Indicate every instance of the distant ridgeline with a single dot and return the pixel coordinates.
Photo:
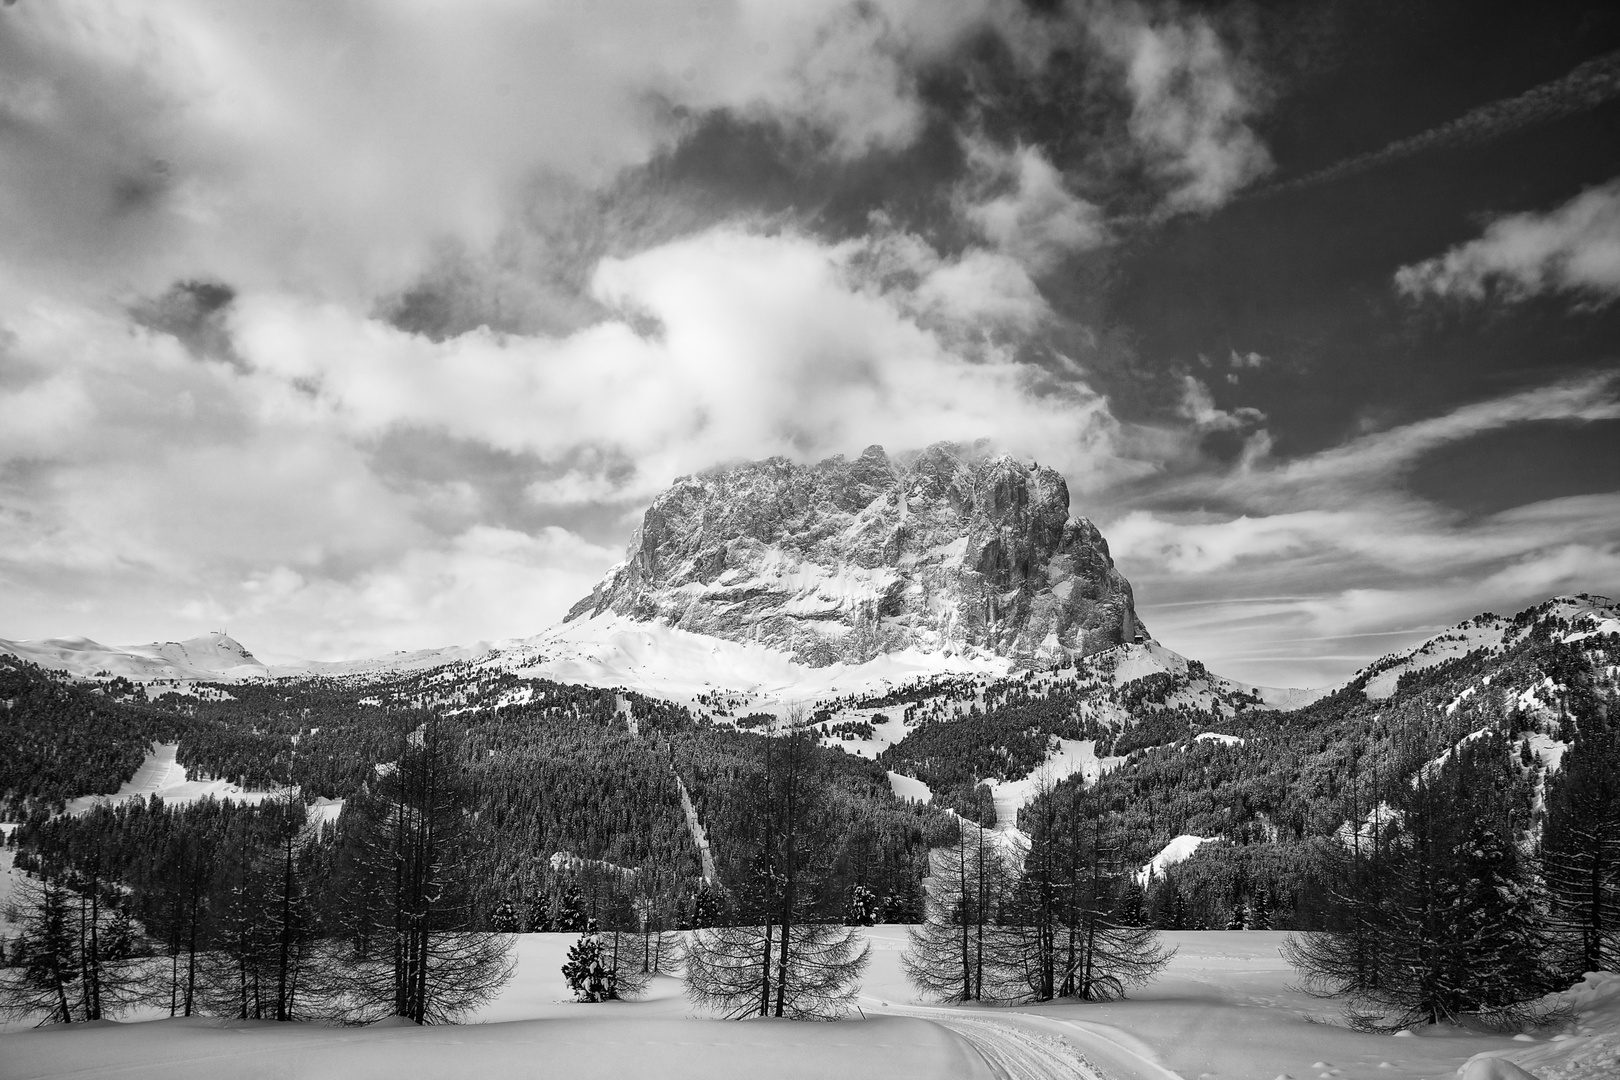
(597, 773)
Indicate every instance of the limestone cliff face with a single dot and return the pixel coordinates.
(945, 550)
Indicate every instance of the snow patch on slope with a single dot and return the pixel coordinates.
(1178, 850)
(161, 775)
(910, 789)
(1064, 759)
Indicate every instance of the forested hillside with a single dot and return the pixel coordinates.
(574, 792)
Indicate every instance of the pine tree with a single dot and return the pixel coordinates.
(1580, 848)
(707, 908)
(862, 908)
(1446, 926)
(571, 916)
(1066, 917)
(589, 976)
(504, 920)
(956, 952)
(44, 979)
(413, 951)
(785, 955)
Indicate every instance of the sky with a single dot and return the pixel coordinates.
(359, 325)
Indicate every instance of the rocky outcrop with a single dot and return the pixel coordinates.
(944, 550)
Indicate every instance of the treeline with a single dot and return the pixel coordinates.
(1062, 920)
(63, 740)
(1279, 802)
(1442, 910)
(254, 911)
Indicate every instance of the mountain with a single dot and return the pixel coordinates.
(1586, 615)
(948, 551)
(209, 657)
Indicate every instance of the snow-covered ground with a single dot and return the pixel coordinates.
(1588, 614)
(1177, 850)
(210, 657)
(160, 774)
(672, 663)
(1223, 1009)
(1065, 758)
(909, 788)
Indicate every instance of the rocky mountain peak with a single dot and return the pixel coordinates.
(943, 550)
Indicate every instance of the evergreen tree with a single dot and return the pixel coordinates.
(570, 916)
(1444, 918)
(786, 955)
(416, 955)
(1068, 934)
(1580, 847)
(589, 975)
(43, 980)
(505, 919)
(959, 941)
(863, 907)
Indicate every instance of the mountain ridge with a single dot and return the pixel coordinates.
(946, 550)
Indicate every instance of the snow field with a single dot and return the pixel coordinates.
(161, 775)
(881, 1048)
(1225, 1008)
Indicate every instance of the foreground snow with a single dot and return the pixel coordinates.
(1224, 1009)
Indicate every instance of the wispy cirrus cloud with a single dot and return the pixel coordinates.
(1358, 555)
(1588, 85)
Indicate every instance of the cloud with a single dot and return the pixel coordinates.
(483, 584)
(143, 483)
(1573, 249)
(330, 147)
(1191, 100)
(1033, 217)
(1587, 86)
(760, 344)
(1353, 554)
(1198, 406)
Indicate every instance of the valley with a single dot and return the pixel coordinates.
(622, 774)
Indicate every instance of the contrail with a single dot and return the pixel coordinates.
(1590, 84)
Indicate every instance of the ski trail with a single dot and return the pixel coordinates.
(1021, 1055)
(1023, 1046)
(699, 837)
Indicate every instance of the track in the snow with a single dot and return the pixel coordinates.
(1014, 1053)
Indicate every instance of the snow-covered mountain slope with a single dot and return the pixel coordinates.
(211, 657)
(392, 663)
(666, 661)
(1584, 613)
(946, 551)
